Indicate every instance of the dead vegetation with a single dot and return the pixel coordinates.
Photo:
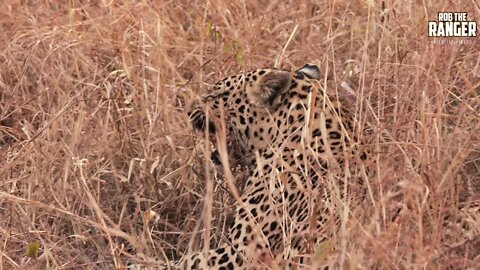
(93, 131)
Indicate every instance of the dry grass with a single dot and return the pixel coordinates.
(93, 131)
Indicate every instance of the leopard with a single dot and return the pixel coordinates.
(305, 166)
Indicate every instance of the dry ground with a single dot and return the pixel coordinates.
(93, 131)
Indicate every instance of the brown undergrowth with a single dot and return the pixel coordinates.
(93, 132)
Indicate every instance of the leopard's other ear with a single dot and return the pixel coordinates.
(310, 71)
(269, 88)
(198, 118)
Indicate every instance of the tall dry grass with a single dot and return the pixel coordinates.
(94, 133)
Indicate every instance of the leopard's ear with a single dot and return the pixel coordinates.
(270, 86)
(309, 71)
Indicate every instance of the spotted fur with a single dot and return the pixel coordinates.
(303, 157)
